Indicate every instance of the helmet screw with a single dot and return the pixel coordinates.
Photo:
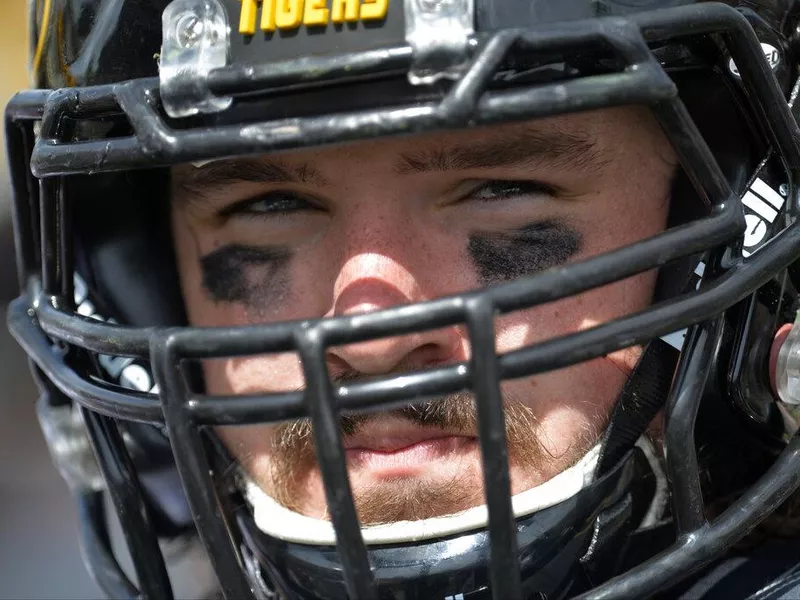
(189, 30)
(783, 190)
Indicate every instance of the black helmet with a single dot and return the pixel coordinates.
(129, 88)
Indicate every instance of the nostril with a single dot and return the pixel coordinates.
(433, 355)
(338, 368)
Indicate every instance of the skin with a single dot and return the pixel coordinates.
(370, 225)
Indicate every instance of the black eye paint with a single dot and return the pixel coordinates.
(508, 255)
(252, 275)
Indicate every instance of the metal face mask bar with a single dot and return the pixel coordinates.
(48, 308)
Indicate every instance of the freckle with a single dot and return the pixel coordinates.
(533, 383)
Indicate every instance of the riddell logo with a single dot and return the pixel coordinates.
(762, 205)
(771, 54)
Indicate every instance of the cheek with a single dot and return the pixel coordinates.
(574, 401)
(253, 374)
(186, 251)
(570, 404)
(574, 314)
(251, 446)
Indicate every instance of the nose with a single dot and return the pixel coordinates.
(378, 284)
(396, 354)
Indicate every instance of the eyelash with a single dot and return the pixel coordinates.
(506, 190)
(284, 203)
(276, 203)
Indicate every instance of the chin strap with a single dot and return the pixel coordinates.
(640, 400)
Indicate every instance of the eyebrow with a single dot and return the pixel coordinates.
(528, 148)
(217, 174)
(531, 148)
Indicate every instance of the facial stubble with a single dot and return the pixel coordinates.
(497, 257)
(293, 461)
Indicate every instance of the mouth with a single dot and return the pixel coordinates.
(391, 448)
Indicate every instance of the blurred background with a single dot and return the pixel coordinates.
(39, 555)
(39, 552)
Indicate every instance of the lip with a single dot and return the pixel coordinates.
(410, 460)
(388, 435)
(393, 448)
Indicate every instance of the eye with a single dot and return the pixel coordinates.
(492, 191)
(270, 204)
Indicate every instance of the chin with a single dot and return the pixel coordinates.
(389, 494)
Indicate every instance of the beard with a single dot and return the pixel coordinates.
(294, 468)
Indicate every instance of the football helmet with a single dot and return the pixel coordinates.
(122, 90)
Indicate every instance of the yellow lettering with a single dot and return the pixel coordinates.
(316, 13)
(247, 18)
(374, 10)
(344, 10)
(268, 16)
(289, 14)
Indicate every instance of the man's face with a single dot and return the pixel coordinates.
(362, 227)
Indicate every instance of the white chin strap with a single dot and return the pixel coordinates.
(280, 522)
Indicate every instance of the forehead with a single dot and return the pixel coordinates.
(580, 139)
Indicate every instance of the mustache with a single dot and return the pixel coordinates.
(294, 456)
(455, 413)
